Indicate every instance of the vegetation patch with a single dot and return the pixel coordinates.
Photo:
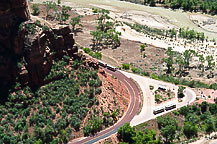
(181, 126)
(55, 111)
(161, 95)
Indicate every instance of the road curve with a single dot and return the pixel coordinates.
(146, 113)
(190, 96)
(127, 117)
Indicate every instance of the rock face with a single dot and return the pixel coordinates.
(12, 13)
(27, 49)
(39, 46)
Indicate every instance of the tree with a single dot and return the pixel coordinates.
(75, 21)
(49, 5)
(209, 125)
(145, 137)
(39, 133)
(201, 65)
(64, 136)
(35, 9)
(103, 24)
(105, 34)
(142, 48)
(169, 60)
(168, 132)
(190, 129)
(152, 3)
(181, 92)
(126, 66)
(97, 39)
(193, 117)
(173, 33)
(213, 108)
(59, 2)
(49, 131)
(210, 62)
(111, 38)
(188, 54)
(135, 70)
(180, 61)
(126, 133)
(63, 15)
(184, 110)
(163, 121)
(204, 107)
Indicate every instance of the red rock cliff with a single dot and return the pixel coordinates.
(27, 48)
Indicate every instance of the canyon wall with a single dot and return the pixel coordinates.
(27, 48)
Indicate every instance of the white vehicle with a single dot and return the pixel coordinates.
(101, 63)
(170, 106)
(111, 68)
(158, 110)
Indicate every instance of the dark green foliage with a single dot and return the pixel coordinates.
(59, 2)
(206, 6)
(126, 66)
(53, 109)
(97, 55)
(168, 127)
(50, 5)
(145, 137)
(105, 34)
(196, 118)
(35, 9)
(146, 30)
(75, 21)
(190, 129)
(94, 125)
(142, 48)
(31, 28)
(163, 121)
(181, 91)
(135, 70)
(128, 134)
(204, 107)
(191, 34)
(63, 14)
(183, 32)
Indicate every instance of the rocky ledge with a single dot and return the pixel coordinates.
(28, 48)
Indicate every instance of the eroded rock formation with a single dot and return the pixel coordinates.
(28, 48)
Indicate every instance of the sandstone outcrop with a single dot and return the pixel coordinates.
(27, 48)
(42, 45)
(12, 13)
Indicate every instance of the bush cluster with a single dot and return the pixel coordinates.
(51, 113)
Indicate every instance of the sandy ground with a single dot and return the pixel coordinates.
(207, 22)
(153, 17)
(178, 17)
(207, 140)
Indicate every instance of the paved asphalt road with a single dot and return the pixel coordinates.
(128, 116)
(148, 98)
(190, 96)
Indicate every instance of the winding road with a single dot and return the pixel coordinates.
(128, 116)
(149, 98)
(135, 100)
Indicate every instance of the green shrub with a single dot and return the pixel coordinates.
(126, 66)
(87, 50)
(35, 9)
(135, 70)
